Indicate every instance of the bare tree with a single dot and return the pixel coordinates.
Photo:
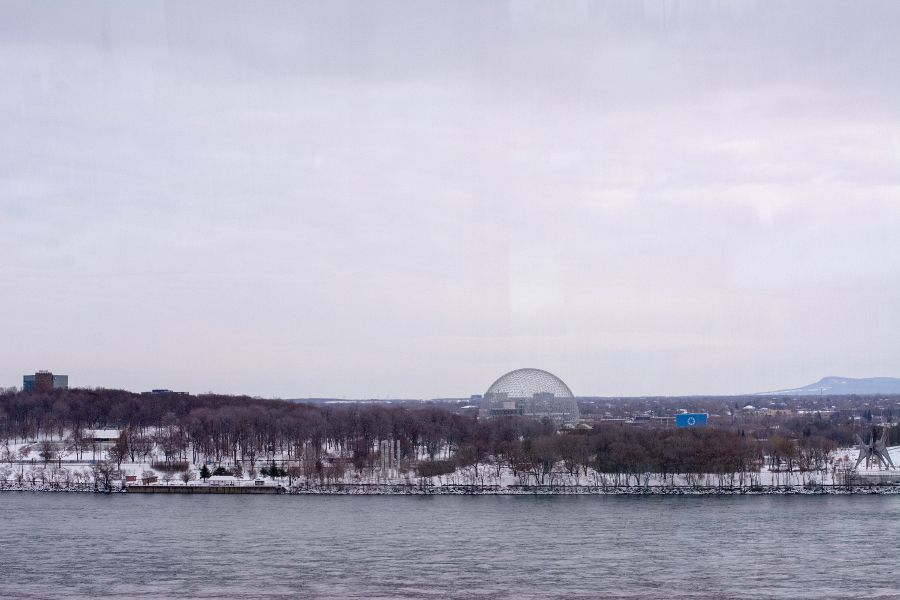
(294, 472)
(140, 446)
(64, 475)
(118, 452)
(47, 451)
(79, 443)
(103, 475)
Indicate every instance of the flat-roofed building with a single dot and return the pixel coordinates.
(44, 381)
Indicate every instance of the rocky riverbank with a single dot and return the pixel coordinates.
(562, 490)
(25, 486)
(387, 489)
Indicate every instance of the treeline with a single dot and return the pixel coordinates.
(866, 407)
(327, 440)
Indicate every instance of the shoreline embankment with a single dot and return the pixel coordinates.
(387, 489)
(584, 490)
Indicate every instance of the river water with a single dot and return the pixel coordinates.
(56, 545)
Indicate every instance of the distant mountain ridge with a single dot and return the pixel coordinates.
(837, 386)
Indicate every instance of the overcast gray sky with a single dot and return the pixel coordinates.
(408, 199)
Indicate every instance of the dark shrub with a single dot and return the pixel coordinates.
(170, 467)
(436, 467)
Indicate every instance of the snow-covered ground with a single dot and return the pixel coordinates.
(848, 456)
(33, 464)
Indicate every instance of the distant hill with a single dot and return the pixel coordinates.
(836, 386)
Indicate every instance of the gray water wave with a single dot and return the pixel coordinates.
(105, 546)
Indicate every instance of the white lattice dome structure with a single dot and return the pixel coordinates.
(523, 383)
(530, 393)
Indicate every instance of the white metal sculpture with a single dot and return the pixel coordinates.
(873, 450)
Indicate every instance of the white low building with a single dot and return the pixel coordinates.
(222, 480)
(102, 436)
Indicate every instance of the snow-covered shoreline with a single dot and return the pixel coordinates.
(535, 490)
(74, 488)
(395, 490)
(69, 471)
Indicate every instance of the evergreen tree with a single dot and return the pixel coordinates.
(204, 473)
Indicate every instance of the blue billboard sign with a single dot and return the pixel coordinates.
(691, 420)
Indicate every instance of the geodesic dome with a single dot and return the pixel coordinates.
(525, 383)
(530, 393)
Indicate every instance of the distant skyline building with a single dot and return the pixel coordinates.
(44, 381)
(530, 393)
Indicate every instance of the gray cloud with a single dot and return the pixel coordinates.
(395, 199)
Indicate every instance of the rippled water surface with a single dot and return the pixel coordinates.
(95, 546)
